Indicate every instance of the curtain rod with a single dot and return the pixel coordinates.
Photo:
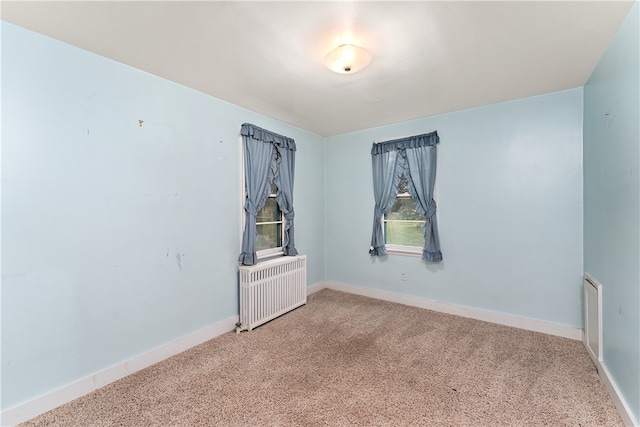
(375, 141)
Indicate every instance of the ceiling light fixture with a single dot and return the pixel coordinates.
(347, 59)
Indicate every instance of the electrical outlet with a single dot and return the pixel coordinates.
(403, 276)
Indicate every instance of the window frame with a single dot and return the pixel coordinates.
(413, 251)
(278, 250)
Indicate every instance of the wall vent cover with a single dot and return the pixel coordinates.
(593, 317)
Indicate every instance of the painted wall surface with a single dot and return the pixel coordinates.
(612, 201)
(116, 237)
(509, 196)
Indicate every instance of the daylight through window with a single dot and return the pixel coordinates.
(403, 226)
(269, 224)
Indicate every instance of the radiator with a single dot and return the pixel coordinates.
(271, 288)
(593, 317)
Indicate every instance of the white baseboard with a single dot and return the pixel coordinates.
(67, 393)
(318, 286)
(614, 392)
(86, 385)
(458, 310)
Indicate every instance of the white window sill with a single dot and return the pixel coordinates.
(268, 254)
(411, 251)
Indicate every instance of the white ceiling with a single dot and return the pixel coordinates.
(428, 57)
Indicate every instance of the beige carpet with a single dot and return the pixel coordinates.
(349, 360)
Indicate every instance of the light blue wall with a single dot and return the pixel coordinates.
(509, 195)
(118, 238)
(612, 201)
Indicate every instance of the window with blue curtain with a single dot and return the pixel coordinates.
(269, 165)
(401, 168)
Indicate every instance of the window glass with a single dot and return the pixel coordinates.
(269, 224)
(270, 212)
(269, 236)
(403, 226)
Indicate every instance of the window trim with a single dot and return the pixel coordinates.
(405, 250)
(413, 251)
(278, 250)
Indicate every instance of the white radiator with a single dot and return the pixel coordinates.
(271, 288)
(593, 317)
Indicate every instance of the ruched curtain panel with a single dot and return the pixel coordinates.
(415, 158)
(268, 158)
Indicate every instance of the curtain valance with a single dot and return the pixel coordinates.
(264, 135)
(415, 141)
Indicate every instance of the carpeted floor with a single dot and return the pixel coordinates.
(349, 360)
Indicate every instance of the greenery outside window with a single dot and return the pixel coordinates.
(269, 226)
(403, 226)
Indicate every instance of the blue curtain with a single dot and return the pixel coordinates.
(415, 158)
(422, 176)
(268, 158)
(386, 177)
(284, 197)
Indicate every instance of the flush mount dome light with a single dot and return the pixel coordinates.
(347, 59)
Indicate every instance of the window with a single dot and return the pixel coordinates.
(269, 226)
(268, 159)
(397, 218)
(403, 226)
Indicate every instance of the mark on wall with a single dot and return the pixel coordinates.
(611, 116)
(179, 260)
